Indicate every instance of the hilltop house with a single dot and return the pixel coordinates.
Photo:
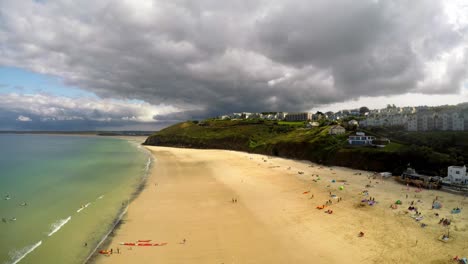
(457, 175)
(337, 130)
(360, 139)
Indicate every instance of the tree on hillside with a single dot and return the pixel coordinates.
(363, 110)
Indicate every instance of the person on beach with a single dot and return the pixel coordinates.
(85, 244)
(111, 251)
(118, 250)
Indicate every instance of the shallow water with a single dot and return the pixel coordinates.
(63, 191)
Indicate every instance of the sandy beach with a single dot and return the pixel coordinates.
(189, 196)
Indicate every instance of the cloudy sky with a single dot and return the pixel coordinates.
(143, 64)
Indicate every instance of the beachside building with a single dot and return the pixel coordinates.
(411, 176)
(337, 130)
(457, 175)
(299, 116)
(360, 139)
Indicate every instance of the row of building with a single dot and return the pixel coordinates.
(301, 116)
(434, 121)
(422, 121)
(421, 118)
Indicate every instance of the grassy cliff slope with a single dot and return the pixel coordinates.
(291, 140)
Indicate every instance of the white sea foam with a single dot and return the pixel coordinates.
(18, 255)
(148, 165)
(57, 225)
(100, 197)
(83, 207)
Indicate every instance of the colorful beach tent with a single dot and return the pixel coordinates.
(456, 210)
(436, 205)
(341, 187)
(398, 202)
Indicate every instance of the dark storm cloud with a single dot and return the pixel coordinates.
(209, 57)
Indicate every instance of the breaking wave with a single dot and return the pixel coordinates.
(57, 225)
(18, 255)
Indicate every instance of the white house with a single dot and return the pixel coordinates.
(360, 139)
(457, 175)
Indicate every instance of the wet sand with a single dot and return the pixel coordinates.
(189, 196)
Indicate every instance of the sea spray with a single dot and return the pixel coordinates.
(57, 225)
(18, 255)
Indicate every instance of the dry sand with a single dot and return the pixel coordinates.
(189, 196)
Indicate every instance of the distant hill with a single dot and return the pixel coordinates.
(293, 140)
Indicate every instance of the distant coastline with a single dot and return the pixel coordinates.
(92, 133)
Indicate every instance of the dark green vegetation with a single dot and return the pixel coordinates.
(429, 153)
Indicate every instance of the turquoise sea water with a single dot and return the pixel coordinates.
(59, 192)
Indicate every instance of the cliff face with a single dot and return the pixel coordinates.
(293, 141)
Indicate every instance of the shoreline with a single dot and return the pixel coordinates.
(274, 188)
(118, 221)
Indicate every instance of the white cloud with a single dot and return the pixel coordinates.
(22, 118)
(58, 108)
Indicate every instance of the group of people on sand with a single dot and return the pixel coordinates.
(234, 200)
(107, 252)
(445, 221)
